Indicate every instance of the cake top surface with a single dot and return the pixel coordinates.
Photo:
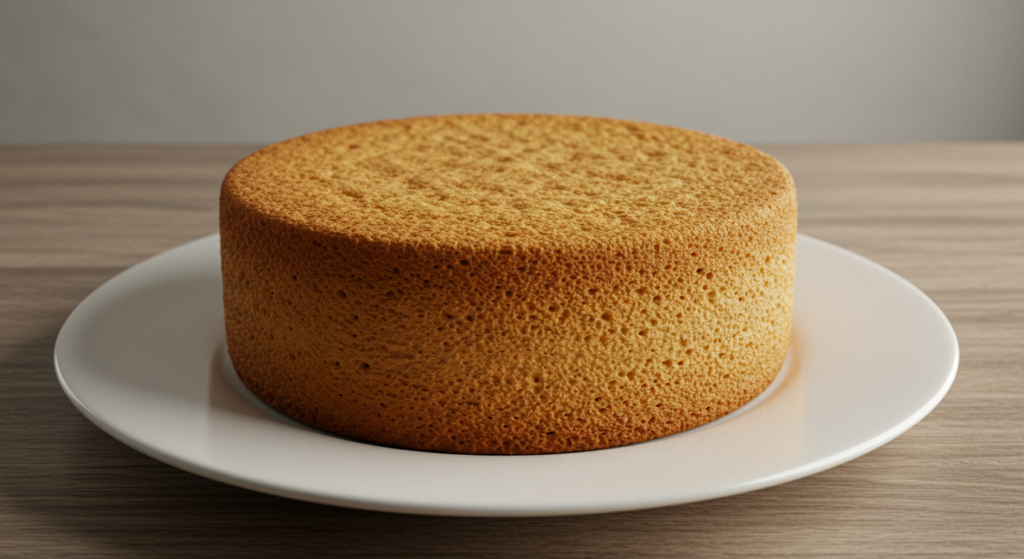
(511, 180)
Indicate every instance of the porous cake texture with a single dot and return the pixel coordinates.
(508, 284)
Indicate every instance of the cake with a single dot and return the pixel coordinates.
(507, 284)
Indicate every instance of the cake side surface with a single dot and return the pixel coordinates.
(547, 323)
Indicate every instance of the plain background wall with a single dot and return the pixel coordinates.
(755, 71)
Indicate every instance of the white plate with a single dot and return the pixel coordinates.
(144, 358)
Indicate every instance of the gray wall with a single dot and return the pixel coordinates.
(756, 71)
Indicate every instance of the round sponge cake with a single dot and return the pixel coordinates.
(508, 284)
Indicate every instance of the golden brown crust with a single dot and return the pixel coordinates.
(508, 283)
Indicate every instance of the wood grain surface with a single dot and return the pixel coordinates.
(948, 217)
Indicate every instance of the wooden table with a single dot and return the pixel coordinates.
(948, 217)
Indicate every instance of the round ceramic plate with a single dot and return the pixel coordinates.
(144, 358)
